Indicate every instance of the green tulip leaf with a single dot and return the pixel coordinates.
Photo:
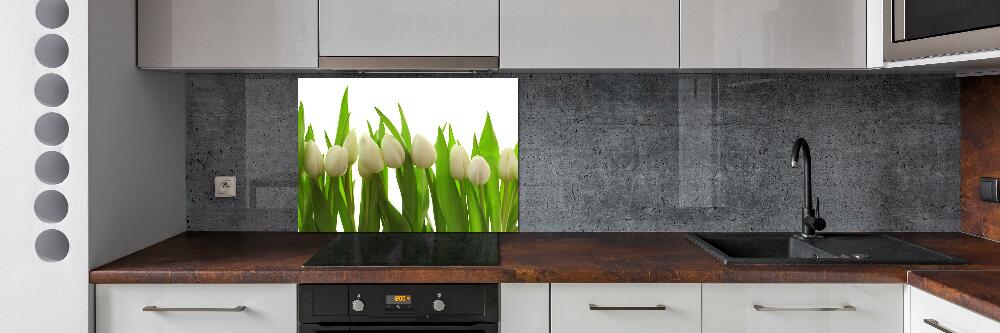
(445, 194)
(489, 149)
(405, 130)
(405, 141)
(343, 121)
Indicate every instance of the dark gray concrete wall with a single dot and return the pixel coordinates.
(640, 152)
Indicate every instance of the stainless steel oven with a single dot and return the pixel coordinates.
(916, 29)
(387, 308)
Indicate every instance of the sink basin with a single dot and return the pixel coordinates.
(835, 248)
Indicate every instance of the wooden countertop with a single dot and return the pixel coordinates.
(974, 290)
(271, 257)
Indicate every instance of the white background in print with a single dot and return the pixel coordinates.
(427, 102)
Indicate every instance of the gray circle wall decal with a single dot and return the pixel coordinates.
(51, 51)
(51, 129)
(51, 206)
(51, 90)
(52, 13)
(52, 245)
(52, 167)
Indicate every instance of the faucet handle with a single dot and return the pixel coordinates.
(817, 206)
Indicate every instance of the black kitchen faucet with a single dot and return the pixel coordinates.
(810, 221)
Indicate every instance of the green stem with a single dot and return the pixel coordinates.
(513, 197)
(504, 205)
(465, 200)
(368, 204)
(482, 205)
(349, 225)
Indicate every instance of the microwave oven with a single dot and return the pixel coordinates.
(915, 29)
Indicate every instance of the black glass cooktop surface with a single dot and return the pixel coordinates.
(409, 249)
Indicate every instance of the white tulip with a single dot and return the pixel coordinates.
(392, 152)
(351, 144)
(336, 161)
(312, 159)
(459, 162)
(369, 157)
(479, 171)
(508, 165)
(423, 153)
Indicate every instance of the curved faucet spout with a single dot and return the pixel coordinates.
(810, 222)
(807, 188)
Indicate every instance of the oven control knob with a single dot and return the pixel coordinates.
(438, 305)
(358, 305)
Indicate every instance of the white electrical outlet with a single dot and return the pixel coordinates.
(225, 187)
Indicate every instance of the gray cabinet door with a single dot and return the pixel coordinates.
(409, 28)
(227, 33)
(627, 34)
(773, 34)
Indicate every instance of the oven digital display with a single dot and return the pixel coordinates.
(399, 299)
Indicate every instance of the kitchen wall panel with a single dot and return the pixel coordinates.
(639, 152)
(980, 151)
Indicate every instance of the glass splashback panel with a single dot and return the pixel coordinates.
(407, 155)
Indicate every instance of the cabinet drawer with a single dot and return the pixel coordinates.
(624, 307)
(802, 308)
(269, 308)
(947, 315)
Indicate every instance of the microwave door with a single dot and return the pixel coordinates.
(916, 29)
(916, 19)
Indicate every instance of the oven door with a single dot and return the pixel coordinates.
(916, 29)
(474, 328)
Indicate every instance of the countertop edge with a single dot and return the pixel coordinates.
(941, 283)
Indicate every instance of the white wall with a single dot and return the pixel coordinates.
(125, 149)
(38, 295)
(137, 186)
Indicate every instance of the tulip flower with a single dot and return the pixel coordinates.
(369, 157)
(392, 152)
(351, 144)
(312, 159)
(459, 162)
(336, 161)
(479, 171)
(508, 165)
(422, 154)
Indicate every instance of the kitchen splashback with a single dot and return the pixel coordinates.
(638, 152)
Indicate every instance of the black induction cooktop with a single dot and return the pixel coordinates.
(409, 249)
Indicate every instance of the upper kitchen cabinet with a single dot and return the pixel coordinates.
(219, 34)
(780, 34)
(407, 34)
(589, 34)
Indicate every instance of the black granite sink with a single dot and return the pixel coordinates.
(832, 248)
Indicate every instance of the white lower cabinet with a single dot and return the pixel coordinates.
(196, 308)
(524, 308)
(625, 307)
(802, 308)
(930, 314)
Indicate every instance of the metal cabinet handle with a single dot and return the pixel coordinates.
(848, 307)
(935, 324)
(154, 308)
(657, 307)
